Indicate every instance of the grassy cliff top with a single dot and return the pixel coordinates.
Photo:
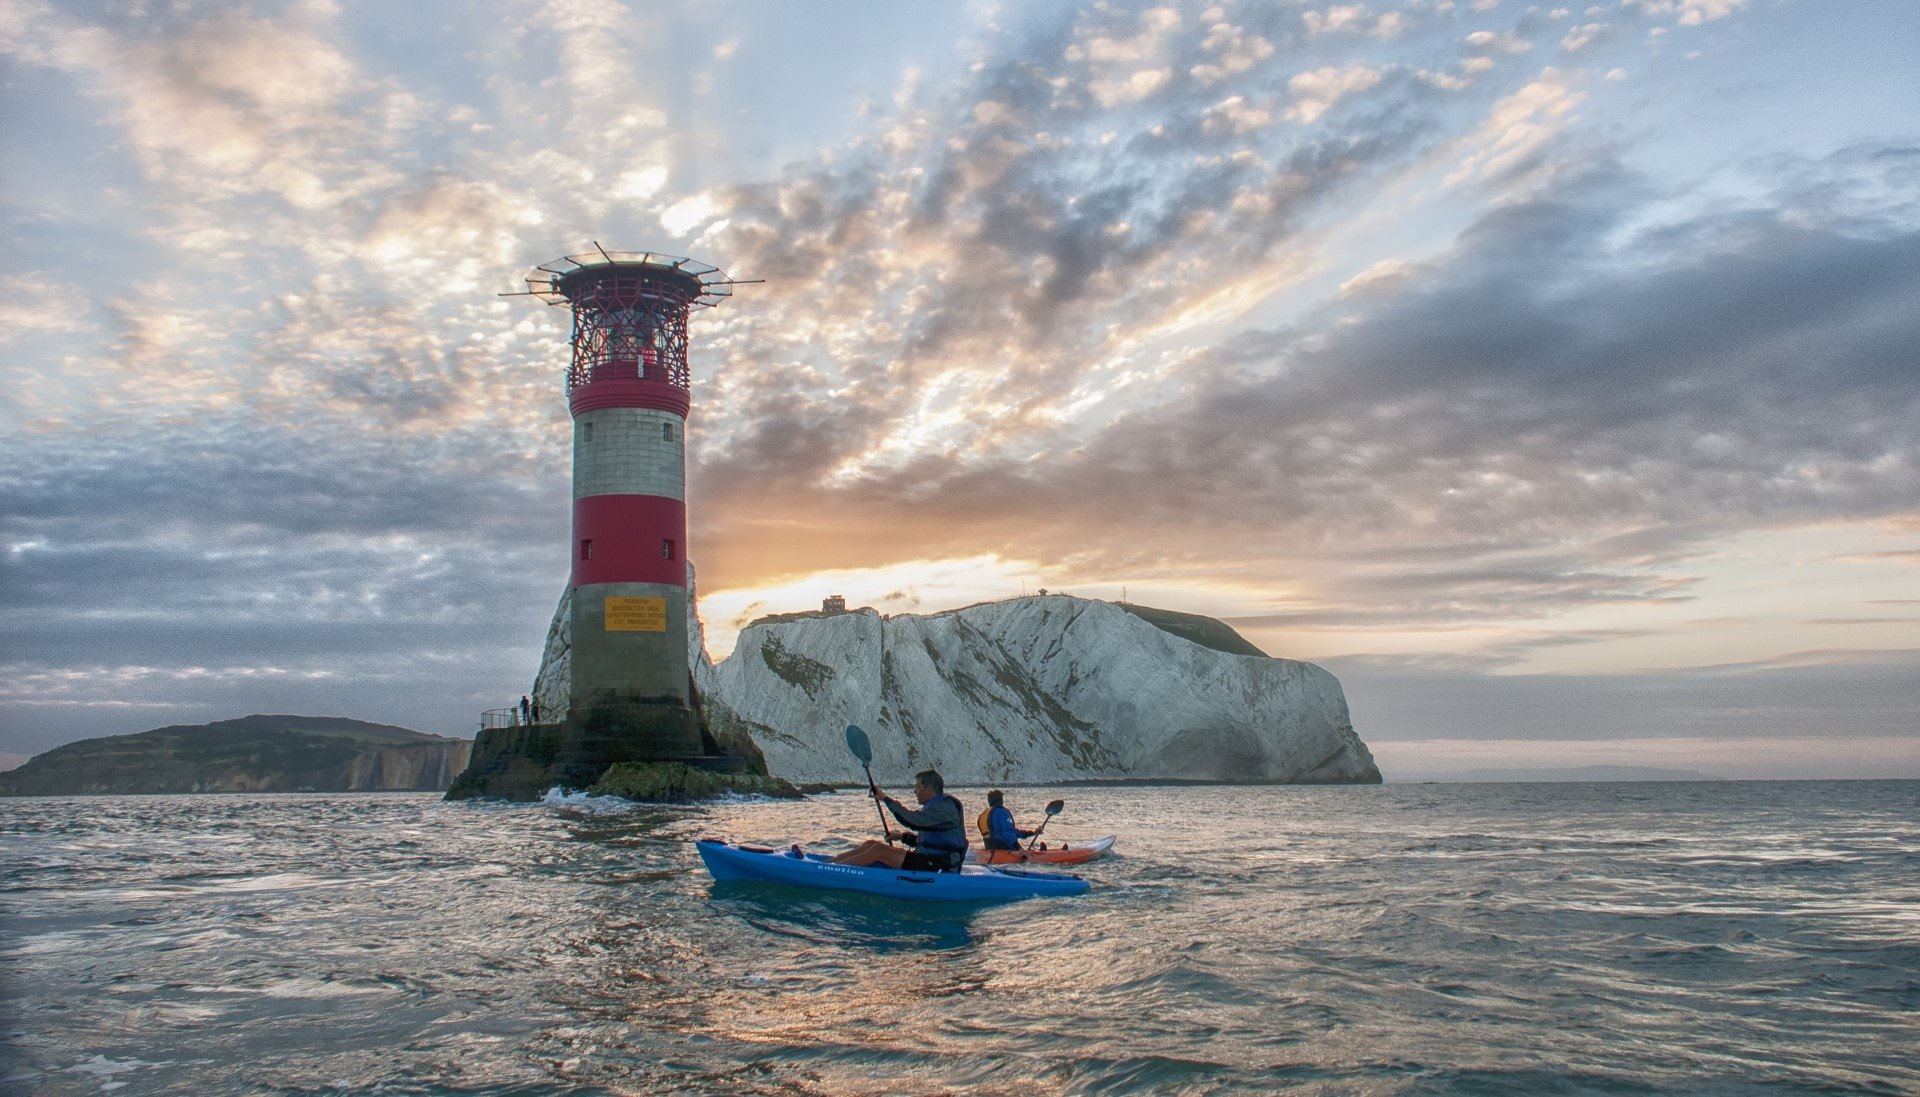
(360, 733)
(1208, 632)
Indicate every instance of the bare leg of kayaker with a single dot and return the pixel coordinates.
(871, 852)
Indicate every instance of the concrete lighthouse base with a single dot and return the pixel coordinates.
(523, 762)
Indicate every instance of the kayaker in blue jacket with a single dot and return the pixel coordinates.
(999, 829)
(941, 842)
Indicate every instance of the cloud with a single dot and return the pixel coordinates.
(1233, 51)
(39, 303)
(1385, 271)
(1518, 127)
(164, 577)
(229, 106)
(1314, 92)
(1584, 35)
(1126, 70)
(1565, 414)
(1687, 13)
(1078, 297)
(1486, 42)
(1850, 700)
(1336, 18)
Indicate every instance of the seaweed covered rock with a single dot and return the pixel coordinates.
(675, 782)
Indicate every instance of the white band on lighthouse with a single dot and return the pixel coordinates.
(629, 451)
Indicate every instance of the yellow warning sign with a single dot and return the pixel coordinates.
(636, 614)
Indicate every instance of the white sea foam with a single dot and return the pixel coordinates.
(558, 797)
(104, 1068)
(743, 798)
(583, 801)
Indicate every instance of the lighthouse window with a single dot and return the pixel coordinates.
(666, 549)
(586, 432)
(586, 549)
(666, 432)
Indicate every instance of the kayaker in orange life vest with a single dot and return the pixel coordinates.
(940, 845)
(996, 823)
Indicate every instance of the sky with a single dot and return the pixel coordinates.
(1551, 374)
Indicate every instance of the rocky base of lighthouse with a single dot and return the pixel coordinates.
(522, 763)
(673, 782)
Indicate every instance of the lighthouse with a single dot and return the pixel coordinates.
(631, 696)
(628, 392)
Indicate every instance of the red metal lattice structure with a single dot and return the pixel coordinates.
(629, 312)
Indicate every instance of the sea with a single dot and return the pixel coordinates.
(1527, 939)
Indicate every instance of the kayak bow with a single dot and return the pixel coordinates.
(1063, 854)
(731, 862)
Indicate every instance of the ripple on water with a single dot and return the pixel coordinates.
(1401, 940)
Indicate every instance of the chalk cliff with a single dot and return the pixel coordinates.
(1027, 690)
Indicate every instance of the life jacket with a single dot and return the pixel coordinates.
(949, 841)
(985, 828)
(1009, 835)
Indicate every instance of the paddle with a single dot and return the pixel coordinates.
(1054, 808)
(863, 750)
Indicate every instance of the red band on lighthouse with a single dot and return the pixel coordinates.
(628, 392)
(629, 539)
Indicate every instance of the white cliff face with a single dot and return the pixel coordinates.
(424, 766)
(1034, 690)
(553, 686)
(1028, 690)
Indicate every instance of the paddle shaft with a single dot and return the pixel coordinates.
(1035, 836)
(1053, 809)
(863, 750)
(885, 830)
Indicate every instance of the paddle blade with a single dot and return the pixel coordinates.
(1055, 807)
(857, 743)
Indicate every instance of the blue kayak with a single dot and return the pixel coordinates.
(816, 870)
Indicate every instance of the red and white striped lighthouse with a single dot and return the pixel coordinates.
(628, 391)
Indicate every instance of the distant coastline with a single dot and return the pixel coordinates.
(258, 753)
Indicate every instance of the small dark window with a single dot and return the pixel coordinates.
(666, 432)
(666, 549)
(586, 432)
(586, 549)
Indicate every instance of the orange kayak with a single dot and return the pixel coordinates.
(1065, 853)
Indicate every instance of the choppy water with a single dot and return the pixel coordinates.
(1491, 939)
